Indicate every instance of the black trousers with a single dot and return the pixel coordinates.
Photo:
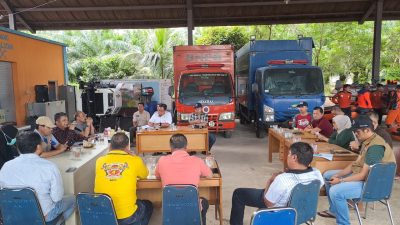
(380, 114)
(243, 197)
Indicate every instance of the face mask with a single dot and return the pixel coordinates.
(12, 140)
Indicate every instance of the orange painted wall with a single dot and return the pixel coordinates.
(33, 62)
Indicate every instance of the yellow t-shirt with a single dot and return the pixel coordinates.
(116, 175)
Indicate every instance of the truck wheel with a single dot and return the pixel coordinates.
(228, 134)
(260, 131)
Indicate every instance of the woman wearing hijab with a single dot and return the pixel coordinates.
(343, 135)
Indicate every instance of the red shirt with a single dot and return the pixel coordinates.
(376, 100)
(302, 121)
(181, 168)
(325, 126)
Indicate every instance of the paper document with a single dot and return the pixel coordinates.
(145, 127)
(325, 156)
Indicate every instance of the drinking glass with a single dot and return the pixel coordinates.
(210, 160)
(76, 153)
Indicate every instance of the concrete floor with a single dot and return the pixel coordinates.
(243, 160)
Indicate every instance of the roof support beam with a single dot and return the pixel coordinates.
(10, 11)
(368, 13)
(189, 10)
(376, 57)
(11, 22)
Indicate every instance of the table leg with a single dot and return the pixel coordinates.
(220, 205)
(270, 144)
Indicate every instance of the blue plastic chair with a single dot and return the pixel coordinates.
(20, 206)
(377, 187)
(180, 205)
(304, 198)
(274, 216)
(96, 209)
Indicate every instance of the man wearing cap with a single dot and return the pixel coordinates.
(303, 119)
(200, 118)
(50, 145)
(345, 184)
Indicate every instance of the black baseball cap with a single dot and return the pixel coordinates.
(198, 105)
(301, 104)
(362, 122)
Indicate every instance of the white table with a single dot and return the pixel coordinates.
(82, 178)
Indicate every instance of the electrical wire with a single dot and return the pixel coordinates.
(29, 9)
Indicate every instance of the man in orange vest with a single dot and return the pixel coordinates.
(364, 100)
(377, 101)
(343, 98)
(394, 107)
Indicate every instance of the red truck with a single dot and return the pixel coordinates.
(205, 74)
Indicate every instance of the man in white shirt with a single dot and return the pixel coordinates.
(279, 187)
(161, 118)
(29, 170)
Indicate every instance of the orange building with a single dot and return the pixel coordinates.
(25, 61)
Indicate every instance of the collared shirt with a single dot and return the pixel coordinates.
(281, 188)
(325, 126)
(181, 168)
(141, 118)
(29, 170)
(116, 175)
(49, 142)
(67, 136)
(203, 117)
(166, 118)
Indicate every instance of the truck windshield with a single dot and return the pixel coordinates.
(293, 81)
(205, 84)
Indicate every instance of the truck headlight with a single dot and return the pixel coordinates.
(268, 114)
(227, 116)
(185, 116)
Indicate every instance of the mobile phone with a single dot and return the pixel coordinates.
(71, 169)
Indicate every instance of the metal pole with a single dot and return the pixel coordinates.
(376, 57)
(11, 21)
(189, 7)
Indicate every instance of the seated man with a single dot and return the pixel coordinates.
(29, 170)
(50, 145)
(161, 118)
(140, 118)
(319, 123)
(279, 186)
(83, 125)
(116, 175)
(303, 119)
(64, 133)
(345, 184)
(200, 118)
(181, 168)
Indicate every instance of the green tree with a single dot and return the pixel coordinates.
(235, 36)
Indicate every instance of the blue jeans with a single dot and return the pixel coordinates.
(211, 140)
(141, 216)
(338, 195)
(66, 206)
(243, 197)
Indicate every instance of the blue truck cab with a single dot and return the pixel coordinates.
(272, 77)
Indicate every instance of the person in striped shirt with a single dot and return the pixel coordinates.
(279, 186)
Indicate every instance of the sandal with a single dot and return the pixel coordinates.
(326, 214)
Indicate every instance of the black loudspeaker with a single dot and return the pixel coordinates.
(42, 93)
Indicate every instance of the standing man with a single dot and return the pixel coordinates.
(303, 119)
(64, 133)
(50, 145)
(345, 184)
(83, 125)
(319, 123)
(364, 99)
(201, 119)
(181, 168)
(29, 170)
(279, 187)
(140, 118)
(161, 118)
(394, 107)
(377, 101)
(116, 175)
(343, 98)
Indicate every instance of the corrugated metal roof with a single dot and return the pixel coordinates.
(97, 14)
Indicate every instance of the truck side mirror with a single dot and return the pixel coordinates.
(254, 88)
(171, 91)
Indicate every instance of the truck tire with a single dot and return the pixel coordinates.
(228, 134)
(260, 131)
